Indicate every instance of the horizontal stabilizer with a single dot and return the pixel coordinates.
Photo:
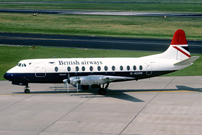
(187, 61)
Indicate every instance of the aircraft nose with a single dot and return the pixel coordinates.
(5, 76)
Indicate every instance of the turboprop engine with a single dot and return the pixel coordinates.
(84, 80)
(90, 80)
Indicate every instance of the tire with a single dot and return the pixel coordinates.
(85, 87)
(102, 91)
(27, 91)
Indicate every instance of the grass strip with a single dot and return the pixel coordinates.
(171, 6)
(116, 26)
(86, 1)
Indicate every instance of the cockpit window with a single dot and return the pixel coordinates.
(22, 65)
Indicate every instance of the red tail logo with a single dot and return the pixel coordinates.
(179, 38)
(179, 42)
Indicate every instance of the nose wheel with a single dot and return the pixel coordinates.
(26, 89)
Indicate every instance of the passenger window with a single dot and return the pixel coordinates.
(98, 68)
(121, 68)
(56, 69)
(106, 68)
(141, 67)
(77, 68)
(24, 65)
(128, 67)
(134, 67)
(91, 68)
(68, 69)
(83, 68)
(113, 68)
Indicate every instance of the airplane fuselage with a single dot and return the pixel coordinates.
(56, 70)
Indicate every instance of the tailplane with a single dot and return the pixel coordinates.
(187, 61)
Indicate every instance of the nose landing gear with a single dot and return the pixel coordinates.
(26, 90)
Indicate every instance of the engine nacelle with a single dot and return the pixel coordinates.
(74, 80)
(87, 80)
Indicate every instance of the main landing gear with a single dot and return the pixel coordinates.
(102, 91)
(26, 90)
(84, 87)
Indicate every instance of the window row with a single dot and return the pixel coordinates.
(105, 68)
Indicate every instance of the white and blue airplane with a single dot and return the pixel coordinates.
(102, 71)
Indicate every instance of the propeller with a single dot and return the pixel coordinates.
(75, 81)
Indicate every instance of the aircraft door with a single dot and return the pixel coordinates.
(149, 68)
(40, 70)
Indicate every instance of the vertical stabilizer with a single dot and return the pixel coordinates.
(178, 49)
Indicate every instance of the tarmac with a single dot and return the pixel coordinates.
(156, 106)
(93, 42)
(106, 13)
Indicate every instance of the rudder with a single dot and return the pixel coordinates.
(178, 48)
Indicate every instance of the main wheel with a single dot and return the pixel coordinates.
(27, 91)
(84, 87)
(102, 91)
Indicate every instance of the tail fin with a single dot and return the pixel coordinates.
(178, 49)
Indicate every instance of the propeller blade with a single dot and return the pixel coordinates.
(67, 87)
(65, 81)
(68, 76)
(77, 85)
(66, 84)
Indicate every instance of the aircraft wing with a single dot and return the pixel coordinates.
(95, 79)
(114, 78)
(187, 61)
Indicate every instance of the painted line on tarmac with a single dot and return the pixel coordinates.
(168, 91)
(87, 93)
(44, 93)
